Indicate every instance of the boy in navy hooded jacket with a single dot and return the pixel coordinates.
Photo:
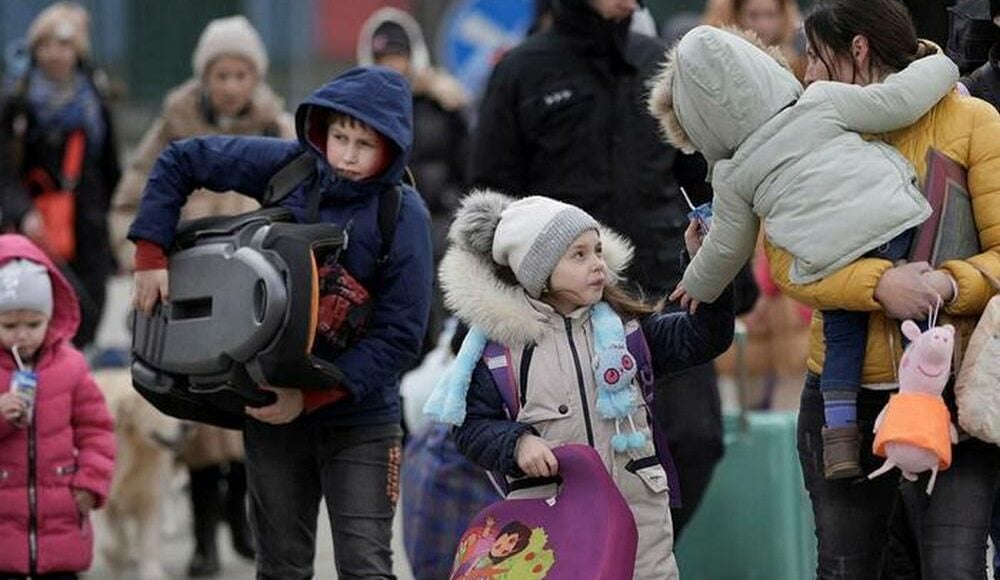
(341, 444)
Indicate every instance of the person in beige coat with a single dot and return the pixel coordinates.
(226, 95)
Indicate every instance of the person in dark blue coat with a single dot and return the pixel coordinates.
(342, 444)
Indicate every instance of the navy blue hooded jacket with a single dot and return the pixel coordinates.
(380, 98)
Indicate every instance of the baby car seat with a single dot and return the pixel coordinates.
(242, 312)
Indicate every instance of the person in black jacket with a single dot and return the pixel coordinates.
(58, 158)
(984, 81)
(392, 37)
(563, 116)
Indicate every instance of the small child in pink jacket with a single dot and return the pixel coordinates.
(57, 442)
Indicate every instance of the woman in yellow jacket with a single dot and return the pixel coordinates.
(857, 42)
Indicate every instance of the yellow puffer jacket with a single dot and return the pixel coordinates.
(968, 131)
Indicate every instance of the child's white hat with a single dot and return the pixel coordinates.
(528, 235)
(25, 285)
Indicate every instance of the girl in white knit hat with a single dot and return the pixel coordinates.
(541, 280)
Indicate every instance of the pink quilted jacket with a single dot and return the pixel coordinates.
(69, 445)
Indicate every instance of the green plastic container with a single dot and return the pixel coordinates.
(755, 522)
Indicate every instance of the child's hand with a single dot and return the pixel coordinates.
(687, 302)
(288, 406)
(13, 410)
(692, 238)
(151, 286)
(85, 501)
(534, 456)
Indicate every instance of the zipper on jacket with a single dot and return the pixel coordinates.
(579, 382)
(32, 502)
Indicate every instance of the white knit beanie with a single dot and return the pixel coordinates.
(232, 36)
(532, 236)
(25, 285)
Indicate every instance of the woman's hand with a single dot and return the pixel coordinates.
(905, 294)
(288, 406)
(151, 287)
(535, 457)
(942, 283)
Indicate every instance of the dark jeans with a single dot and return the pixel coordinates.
(948, 533)
(845, 332)
(690, 412)
(355, 469)
(944, 535)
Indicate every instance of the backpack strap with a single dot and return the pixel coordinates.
(288, 178)
(301, 168)
(498, 361)
(389, 204)
(635, 342)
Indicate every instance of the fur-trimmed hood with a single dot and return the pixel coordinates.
(476, 289)
(420, 57)
(714, 90)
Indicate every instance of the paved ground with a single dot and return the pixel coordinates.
(177, 546)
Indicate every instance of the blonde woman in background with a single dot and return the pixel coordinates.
(228, 95)
(776, 22)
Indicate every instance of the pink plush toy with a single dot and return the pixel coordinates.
(914, 431)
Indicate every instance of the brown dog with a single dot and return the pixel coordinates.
(147, 444)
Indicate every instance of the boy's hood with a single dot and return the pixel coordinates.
(65, 307)
(379, 97)
(476, 291)
(419, 55)
(717, 87)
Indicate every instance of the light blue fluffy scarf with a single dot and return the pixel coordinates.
(614, 371)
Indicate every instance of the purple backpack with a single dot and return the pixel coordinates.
(584, 530)
(498, 361)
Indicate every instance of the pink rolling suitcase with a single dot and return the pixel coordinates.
(585, 531)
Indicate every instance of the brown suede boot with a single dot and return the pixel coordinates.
(841, 452)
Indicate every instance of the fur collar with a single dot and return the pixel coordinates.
(661, 100)
(474, 288)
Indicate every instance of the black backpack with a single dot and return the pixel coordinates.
(243, 311)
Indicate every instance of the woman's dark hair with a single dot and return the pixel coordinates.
(892, 39)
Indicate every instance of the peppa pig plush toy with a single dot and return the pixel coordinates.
(914, 431)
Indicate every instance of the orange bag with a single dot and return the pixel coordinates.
(57, 205)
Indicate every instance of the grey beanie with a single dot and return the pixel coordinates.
(25, 285)
(532, 236)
